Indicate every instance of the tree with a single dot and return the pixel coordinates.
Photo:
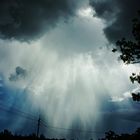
(113, 136)
(130, 52)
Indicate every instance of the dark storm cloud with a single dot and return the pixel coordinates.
(18, 74)
(29, 19)
(118, 15)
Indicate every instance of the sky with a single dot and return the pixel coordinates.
(56, 62)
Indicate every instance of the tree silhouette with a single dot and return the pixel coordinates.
(130, 49)
(113, 136)
(7, 135)
(130, 52)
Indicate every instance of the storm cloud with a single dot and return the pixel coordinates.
(26, 20)
(118, 16)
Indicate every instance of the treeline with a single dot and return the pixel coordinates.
(7, 135)
(113, 136)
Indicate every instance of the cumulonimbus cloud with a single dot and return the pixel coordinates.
(26, 20)
(118, 16)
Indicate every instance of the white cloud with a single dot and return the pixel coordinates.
(77, 83)
(117, 99)
(124, 96)
(86, 12)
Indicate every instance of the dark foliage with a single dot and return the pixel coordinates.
(113, 136)
(130, 49)
(130, 52)
(7, 135)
